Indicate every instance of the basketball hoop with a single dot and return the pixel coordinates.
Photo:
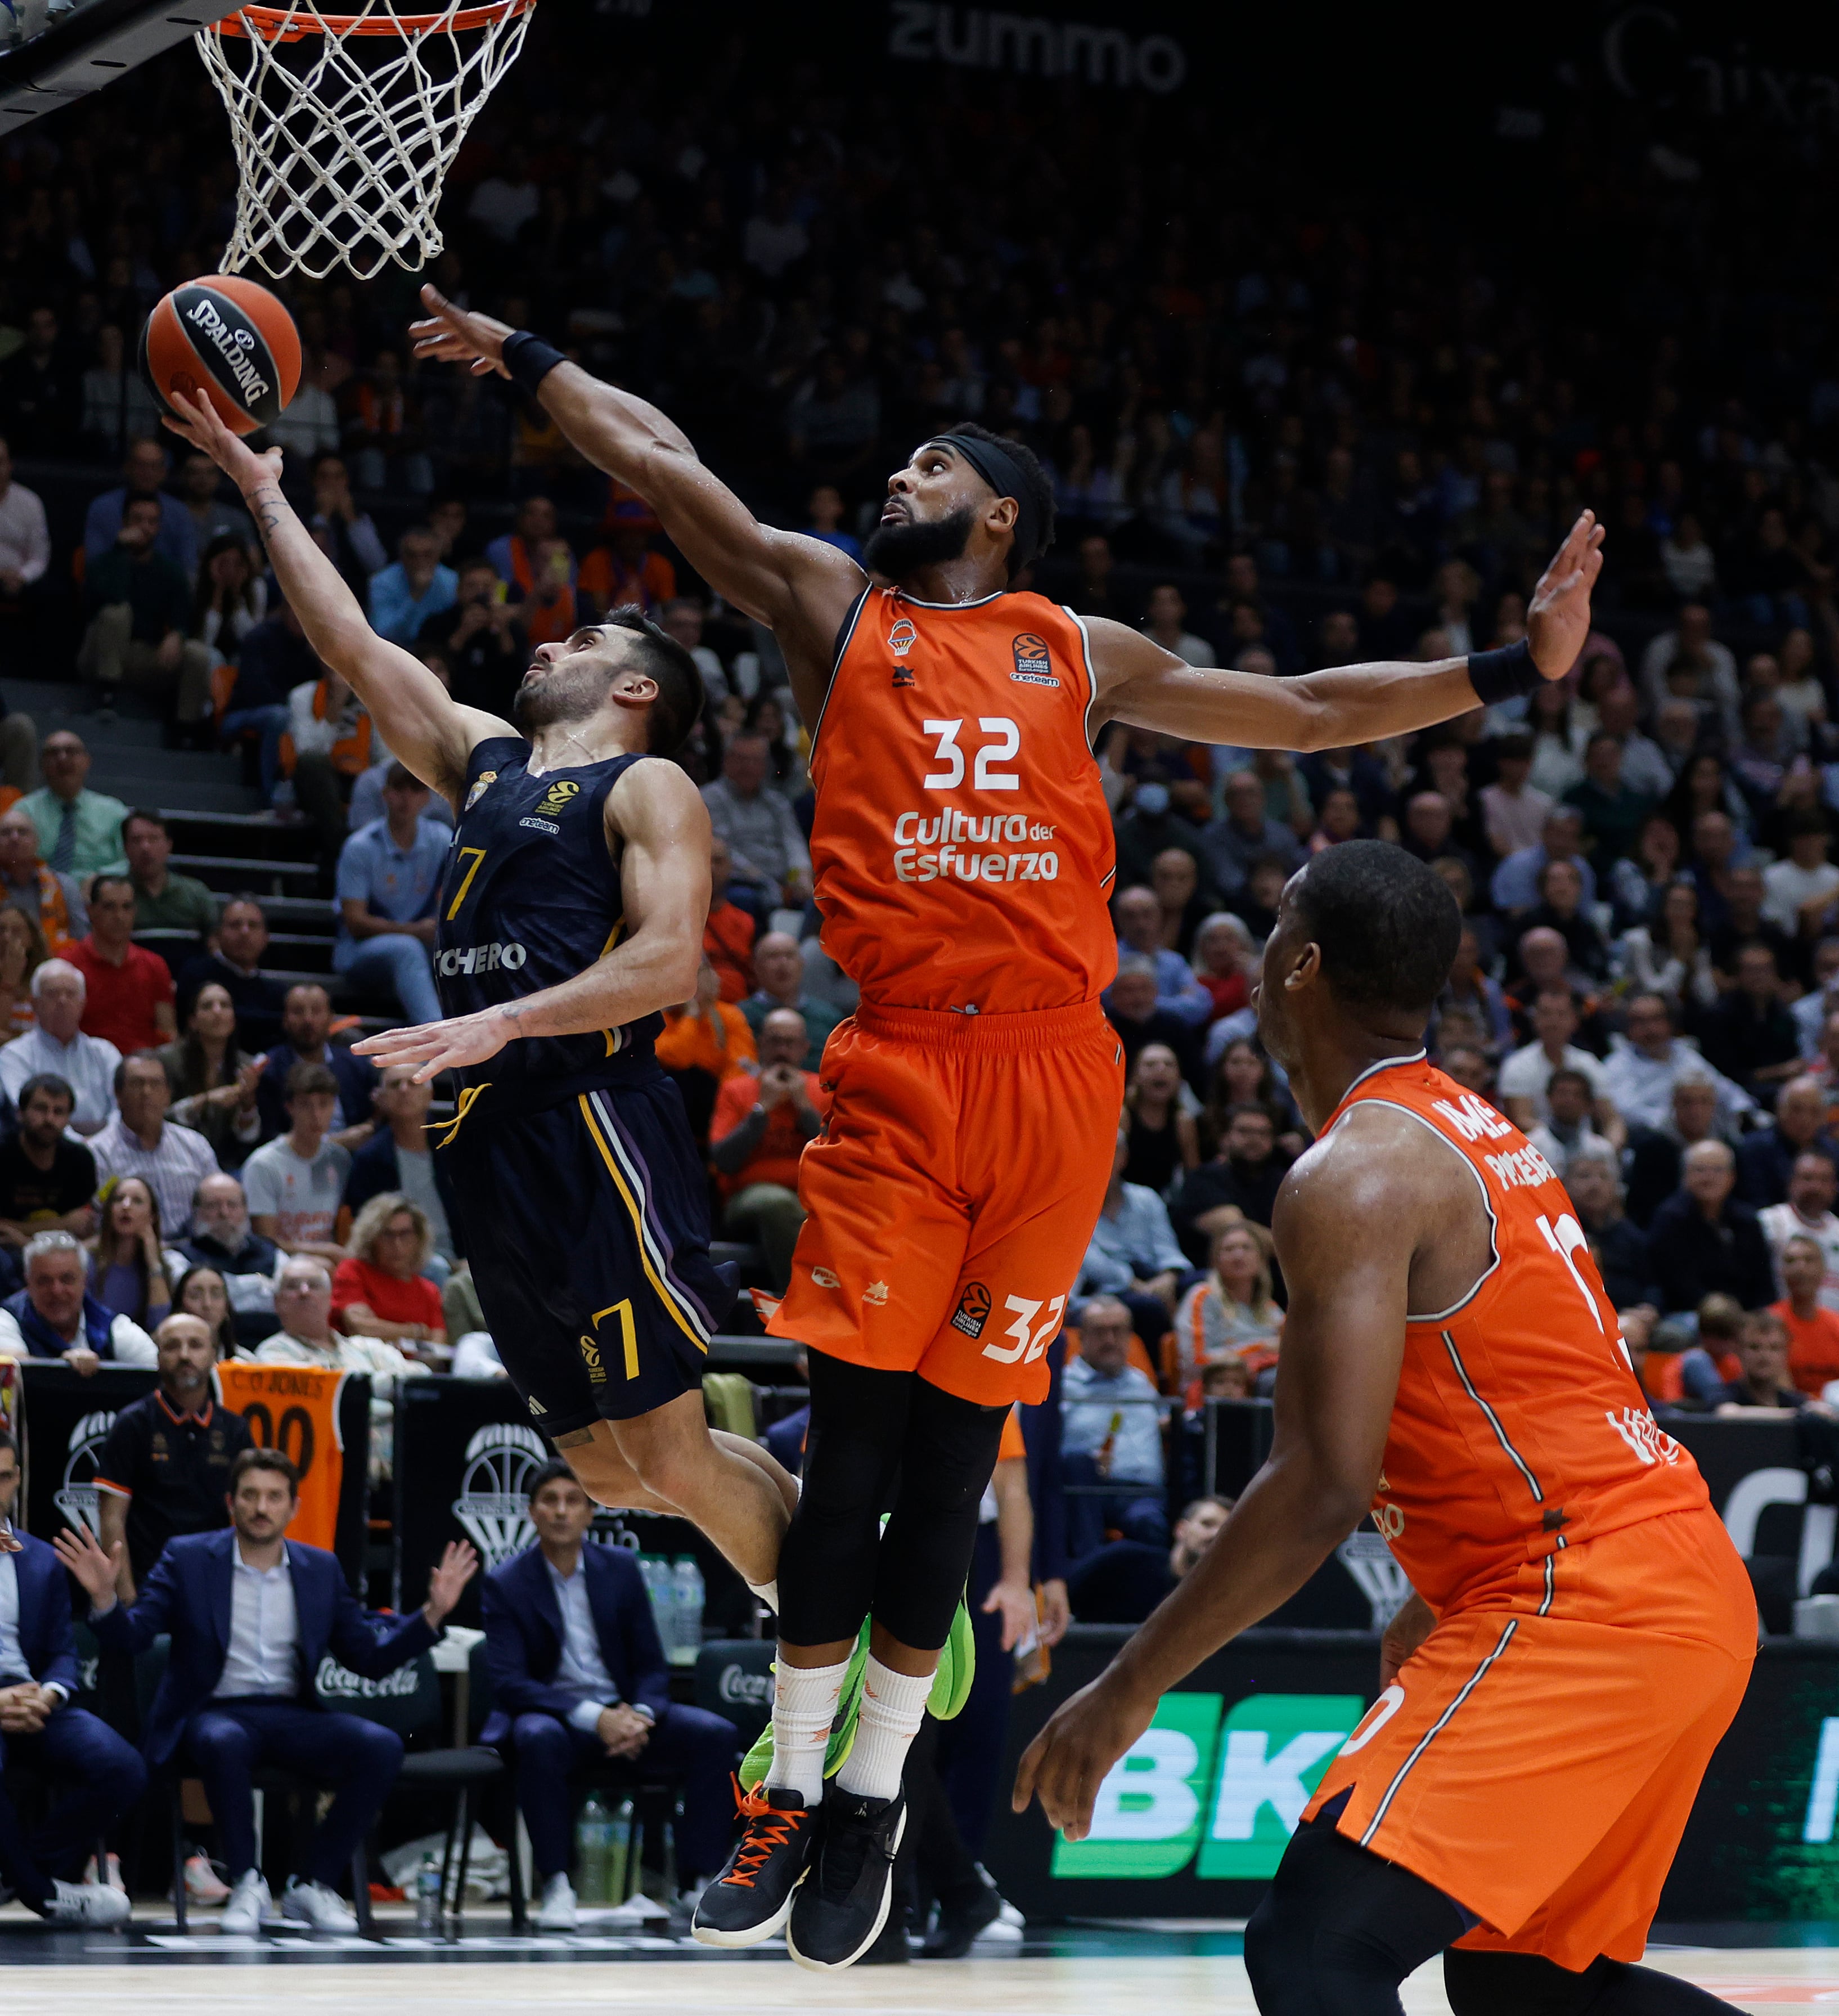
(346, 124)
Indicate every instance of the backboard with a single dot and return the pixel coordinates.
(54, 51)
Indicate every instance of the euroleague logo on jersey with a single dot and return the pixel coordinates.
(901, 640)
(558, 797)
(973, 1310)
(1034, 662)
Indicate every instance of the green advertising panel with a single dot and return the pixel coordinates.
(1274, 1750)
(1147, 1816)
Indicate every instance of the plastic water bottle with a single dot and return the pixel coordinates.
(427, 1895)
(619, 1851)
(593, 1853)
(686, 1588)
(658, 1590)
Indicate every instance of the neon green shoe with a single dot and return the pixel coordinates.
(951, 1689)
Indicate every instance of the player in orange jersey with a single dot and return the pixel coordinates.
(962, 861)
(1582, 1629)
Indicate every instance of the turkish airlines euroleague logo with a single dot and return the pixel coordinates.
(973, 1310)
(1034, 662)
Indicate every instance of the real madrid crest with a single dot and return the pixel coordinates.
(478, 791)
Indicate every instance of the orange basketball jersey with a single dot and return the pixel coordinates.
(1519, 1428)
(962, 847)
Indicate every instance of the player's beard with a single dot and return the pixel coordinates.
(572, 694)
(899, 550)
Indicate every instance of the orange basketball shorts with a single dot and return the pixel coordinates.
(1537, 1761)
(951, 1195)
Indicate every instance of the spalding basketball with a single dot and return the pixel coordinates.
(228, 339)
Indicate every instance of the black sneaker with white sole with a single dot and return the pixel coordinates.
(843, 1903)
(750, 1900)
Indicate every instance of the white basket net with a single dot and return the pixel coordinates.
(346, 124)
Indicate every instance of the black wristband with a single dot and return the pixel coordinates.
(530, 360)
(1495, 675)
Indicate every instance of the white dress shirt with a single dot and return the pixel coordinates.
(581, 1670)
(86, 1063)
(12, 1659)
(264, 1654)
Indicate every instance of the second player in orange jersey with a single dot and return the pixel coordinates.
(1581, 1630)
(963, 861)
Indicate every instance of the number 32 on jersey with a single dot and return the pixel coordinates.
(1003, 740)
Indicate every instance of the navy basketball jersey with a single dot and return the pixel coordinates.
(532, 897)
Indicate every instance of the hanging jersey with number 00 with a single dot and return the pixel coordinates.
(532, 897)
(294, 1409)
(961, 848)
(1519, 1427)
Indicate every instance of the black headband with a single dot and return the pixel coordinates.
(993, 461)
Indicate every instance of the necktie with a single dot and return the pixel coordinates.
(63, 851)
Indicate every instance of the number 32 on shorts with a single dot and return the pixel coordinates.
(1027, 1338)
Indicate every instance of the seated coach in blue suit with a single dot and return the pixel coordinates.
(579, 1674)
(251, 1615)
(99, 1775)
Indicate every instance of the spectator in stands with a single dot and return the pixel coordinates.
(1111, 1436)
(294, 1182)
(1799, 892)
(53, 902)
(1159, 1119)
(1566, 1130)
(1515, 887)
(276, 658)
(1223, 961)
(415, 586)
(1242, 1180)
(1655, 1152)
(764, 843)
(203, 1292)
(1750, 1036)
(54, 1316)
(1746, 922)
(303, 1310)
(306, 1019)
(1702, 1241)
(165, 1468)
(138, 604)
(163, 900)
(143, 472)
(235, 963)
(1154, 823)
(25, 555)
(486, 652)
(1165, 620)
(1231, 1314)
(98, 1774)
(389, 874)
(758, 1132)
(705, 1041)
(1133, 1257)
(235, 1698)
(140, 1140)
(1130, 1002)
(347, 534)
(213, 516)
(1821, 999)
(46, 1178)
(1618, 1247)
(1244, 833)
(398, 1157)
(1124, 1580)
(333, 741)
(1646, 1063)
(1611, 809)
(379, 1288)
(213, 1080)
(22, 952)
(1526, 1074)
(79, 830)
(1765, 1160)
(727, 937)
(1804, 1263)
(778, 967)
(579, 1678)
(58, 1045)
(129, 992)
(1139, 932)
(1806, 1213)
(222, 1238)
(1765, 1381)
(683, 618)
(128, 1267)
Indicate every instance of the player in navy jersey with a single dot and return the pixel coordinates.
(571, 914)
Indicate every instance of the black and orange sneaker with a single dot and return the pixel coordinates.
(751, 1899)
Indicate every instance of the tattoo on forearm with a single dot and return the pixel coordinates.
(268, 506)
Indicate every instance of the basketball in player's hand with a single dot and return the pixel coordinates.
(228, 339)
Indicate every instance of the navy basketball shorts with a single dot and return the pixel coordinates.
(586, 1226)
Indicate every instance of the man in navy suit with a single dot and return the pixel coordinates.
(102, 1775)
(251, 1615)
(579, 1674)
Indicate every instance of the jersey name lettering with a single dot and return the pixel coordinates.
(1473, 1118)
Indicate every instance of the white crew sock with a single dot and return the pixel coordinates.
(804, 1702)
(894, 1706)
(768, 1593)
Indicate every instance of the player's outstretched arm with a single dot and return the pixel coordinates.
(657, 816)
(430, 732)
(800, 588)
(1347, 1260)
(1141, 683)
